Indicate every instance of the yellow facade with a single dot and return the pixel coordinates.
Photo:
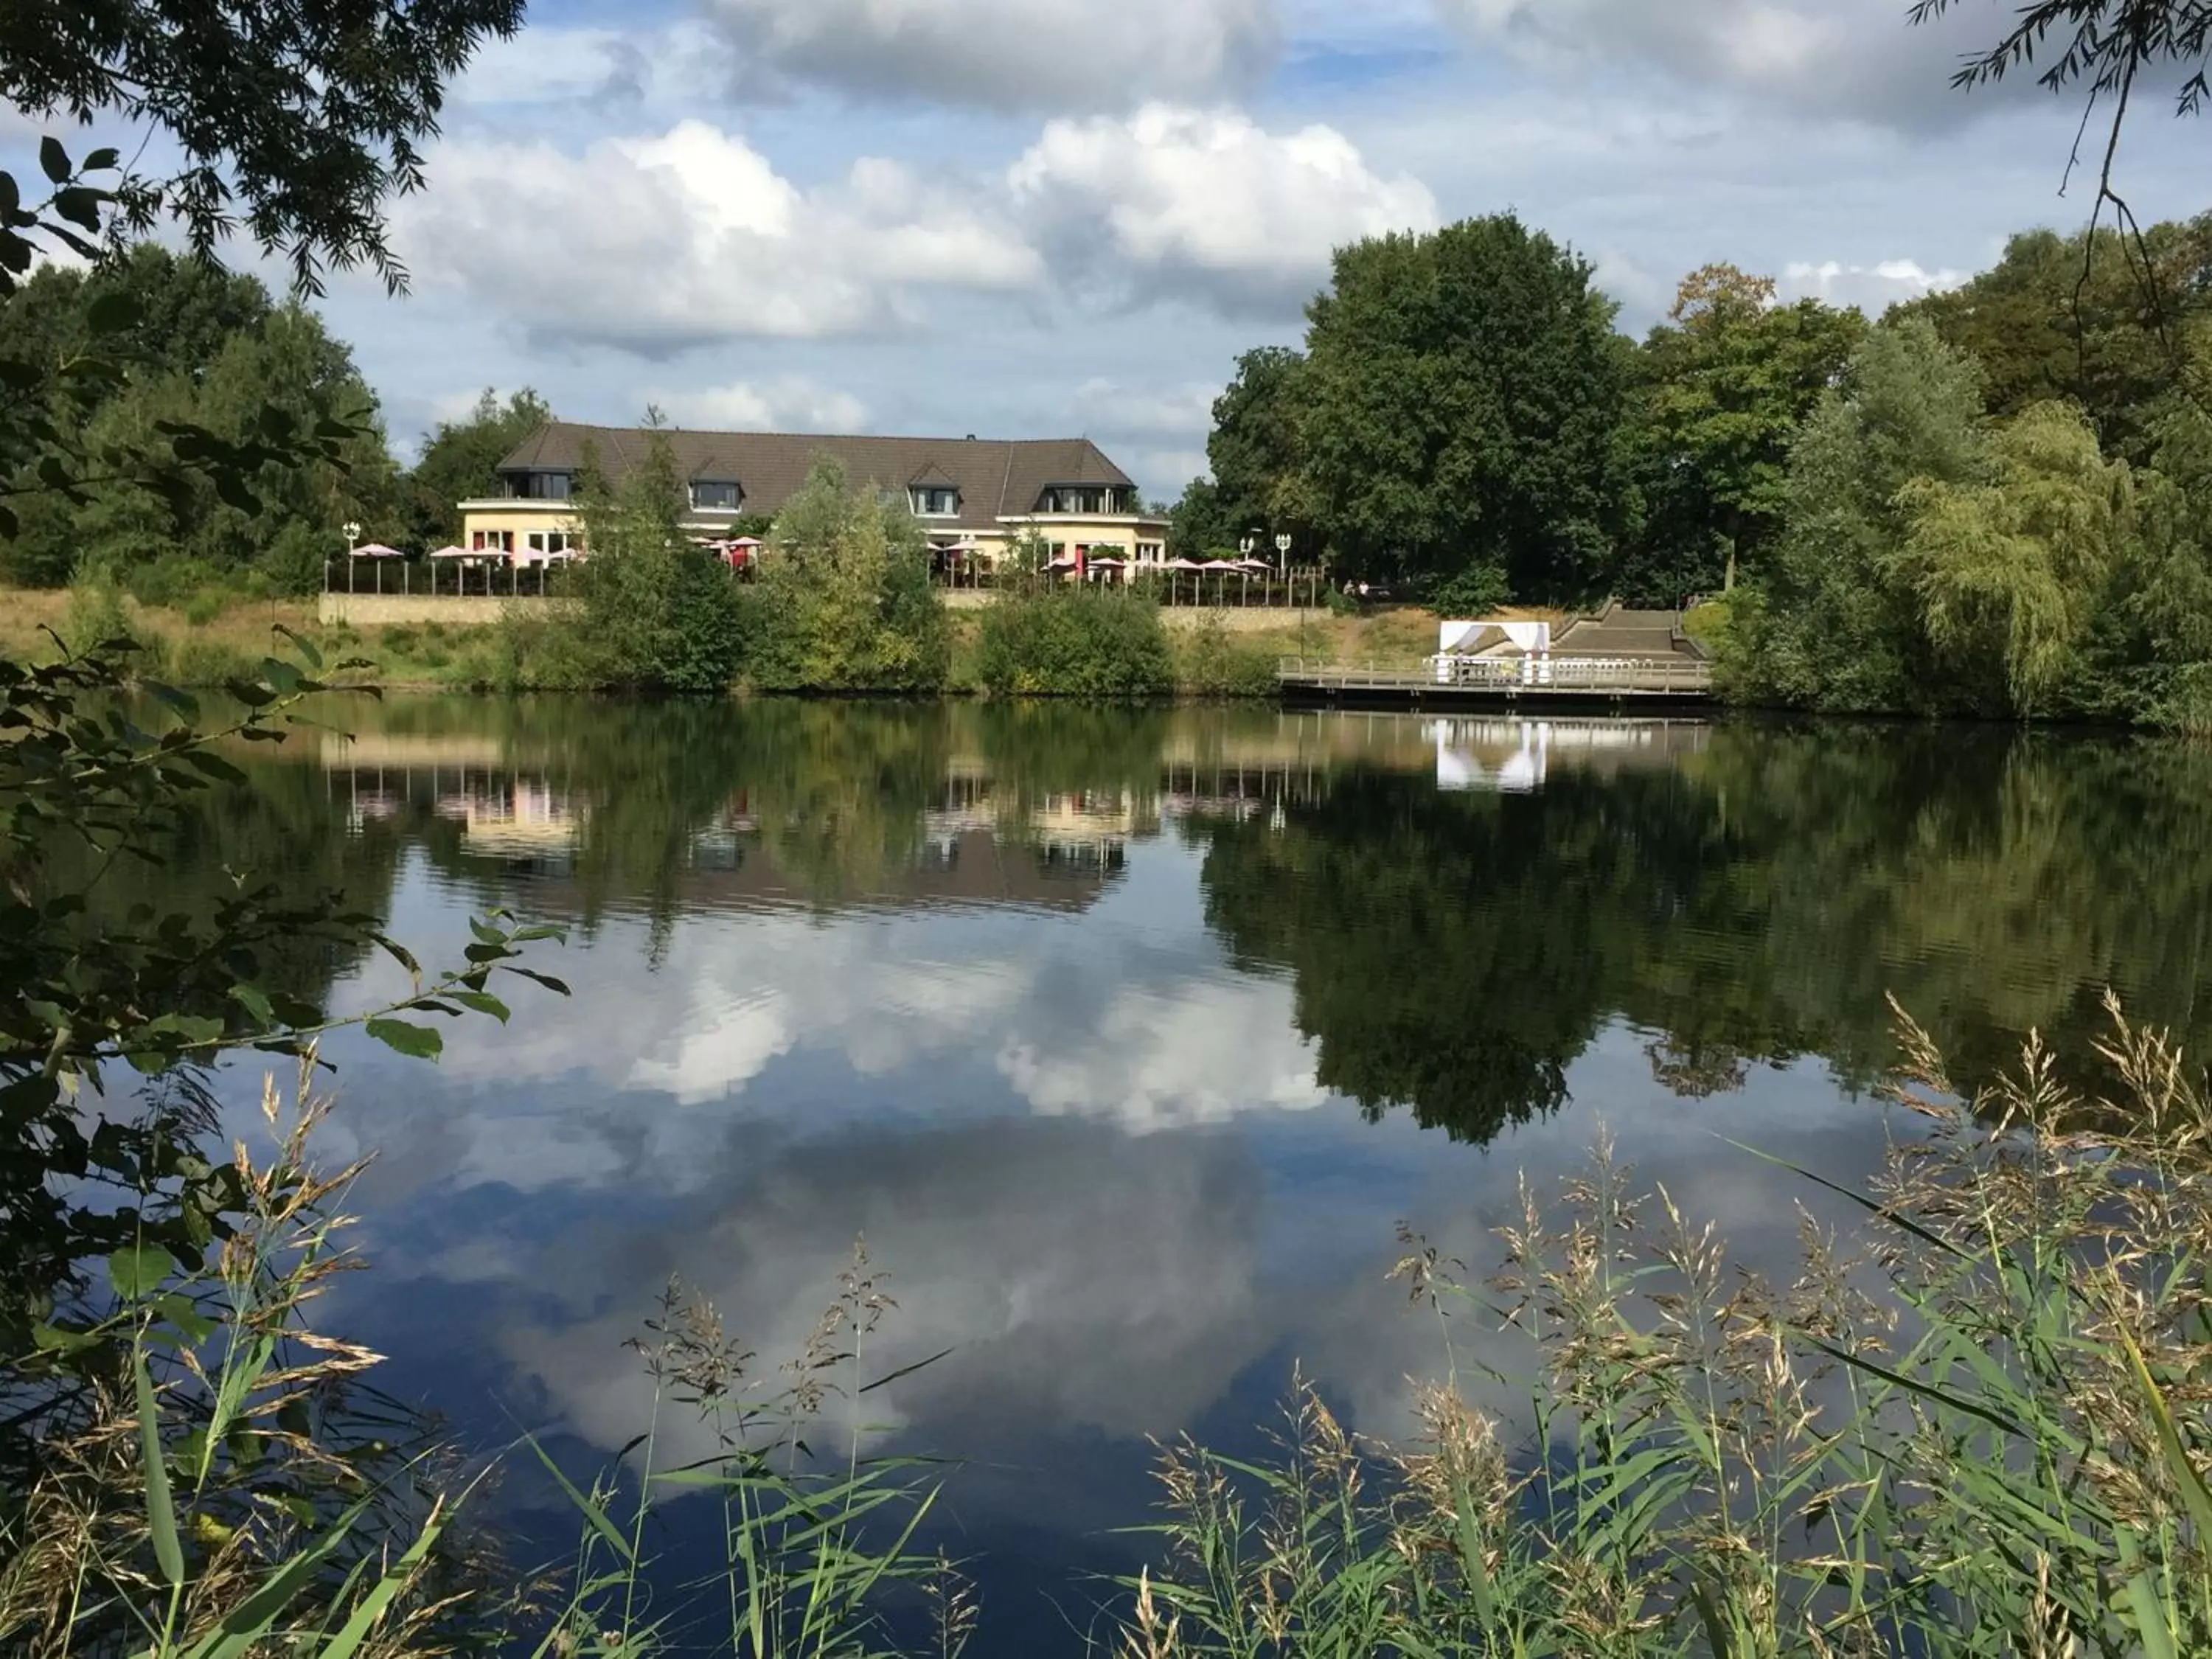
(502, 526)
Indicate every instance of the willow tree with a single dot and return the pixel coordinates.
(2010, 575)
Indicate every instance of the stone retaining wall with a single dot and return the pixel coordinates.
(384, 609)
(387, 610)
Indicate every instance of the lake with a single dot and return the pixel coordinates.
(1127, 1037)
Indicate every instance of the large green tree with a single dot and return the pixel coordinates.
(214, 355)
(290, 122)
(1255, 449)
(2112, 322)
(1722, 389)
(1463, 401)
(1831, 629)
(460, 459)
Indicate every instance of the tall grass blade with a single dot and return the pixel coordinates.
(161, 1515)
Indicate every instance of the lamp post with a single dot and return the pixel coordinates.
(353, 540)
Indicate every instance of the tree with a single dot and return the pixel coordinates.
(294, 121)
(1255, 449)
(2097, 318)
(236, 368)
(1831, 629)
(1463, 394)
(1199, 524)
(460, 461)
(648, 609)
(844, 601)
(1721, 391)
(2011, 574)
(2103, 44)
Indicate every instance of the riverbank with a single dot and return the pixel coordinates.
(1212, 653)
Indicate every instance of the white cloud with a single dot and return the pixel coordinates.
(1859, 58)
(788, 403)
(1172, 411)
(657, 244)
(1207, 201)
(1196, 1052)
(1035, 54)
(1872, 287)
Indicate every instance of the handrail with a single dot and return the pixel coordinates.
(1591, 674)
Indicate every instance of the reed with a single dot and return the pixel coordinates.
(1981, 1432)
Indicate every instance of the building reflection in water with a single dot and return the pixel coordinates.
(986, 837)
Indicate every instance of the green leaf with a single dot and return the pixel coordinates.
(590, 1512)
(255, 1001)
(2194, 1495)
(559, 988)
(55, 160)
(138, 1271)
(102, 160)
(161, 1518)
(418, 1042)
(57, 1339)
(483, 1002)
(306, 648)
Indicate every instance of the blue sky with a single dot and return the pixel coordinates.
(1034, 217)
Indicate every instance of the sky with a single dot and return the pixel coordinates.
(1028, 218)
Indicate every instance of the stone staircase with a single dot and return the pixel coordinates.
(1619, 632)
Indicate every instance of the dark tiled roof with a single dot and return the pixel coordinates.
(995, 478)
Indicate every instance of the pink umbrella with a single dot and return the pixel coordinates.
(449, 552)
(377, 550)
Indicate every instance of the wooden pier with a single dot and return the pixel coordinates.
(1555, 680)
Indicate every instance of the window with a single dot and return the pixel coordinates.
(715, 497)
(536, 541)
(932, 503)
(539, 486)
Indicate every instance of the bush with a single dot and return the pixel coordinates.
(1342, 604)
(844, 604)
(204, 607)
(648, 611)
(1075, 643)
(199, 662)
(1212, 662)
(95, 614)
(1471, 594)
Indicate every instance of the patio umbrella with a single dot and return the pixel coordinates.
(377, 550)
(449, 552)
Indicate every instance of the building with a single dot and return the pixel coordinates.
(972, 496)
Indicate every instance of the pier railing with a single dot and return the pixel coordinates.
(1584, 676)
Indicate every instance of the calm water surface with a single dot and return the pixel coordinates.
(1127, 1037)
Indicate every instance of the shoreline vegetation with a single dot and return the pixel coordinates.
(1988, 502)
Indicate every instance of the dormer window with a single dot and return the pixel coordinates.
(712, 496)
(931, 501)
(539, 486)
(1080, 498)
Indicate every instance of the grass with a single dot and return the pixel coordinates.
(1975, 1423)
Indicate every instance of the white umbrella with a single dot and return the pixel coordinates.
(449, 552)
(377, 550)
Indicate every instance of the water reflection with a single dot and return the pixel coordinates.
(1126, 1035)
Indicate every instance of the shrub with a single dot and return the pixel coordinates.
(1075, 643)
(398, 639)
(648, 611)
(197, 660)
(1473, 592)
(1212, 662)
(204, 607)
(95, 613)
(844, 602)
